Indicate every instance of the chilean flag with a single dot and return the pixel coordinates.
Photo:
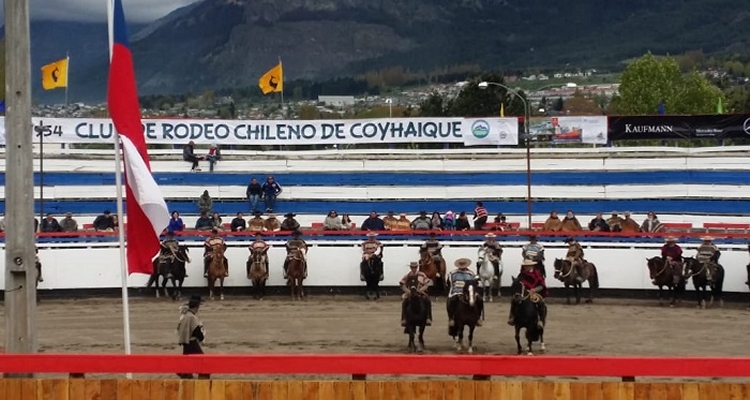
(146, 210)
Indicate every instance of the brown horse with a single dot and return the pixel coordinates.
(662, 274)
(565, 273)
(216, 271)
(256, 272)
(435, 272)
(748, 279)
(296, 274)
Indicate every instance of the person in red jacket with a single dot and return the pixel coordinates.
(531, 278)
(672, 253)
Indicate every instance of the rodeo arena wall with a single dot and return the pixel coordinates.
(687, 187)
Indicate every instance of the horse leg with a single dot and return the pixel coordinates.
(529, 350)
(410, 346)
(590, 299)
(577, 289)
(518, 340)
(421, 338)
(567, 293)
(541, 341)
(459, 338)
(471, 339)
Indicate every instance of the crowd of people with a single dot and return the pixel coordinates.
(615, 223)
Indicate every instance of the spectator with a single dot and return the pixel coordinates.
(373, 223)
(332, 222)
(271, 190)
(436, 223)
(570, 223)
(205, 203)
(238, 223)
(188, 154)
(2, 222)
(272, 224)
(462, 222)
(289, 223)
(403, 223)
(628, 224)
(553, 223)
(115, 222)
(346, 222)
(480, 216)
(449, 222)
(598, 224)
(421, 223)
(104, 223)
(389, 221)
(615, 222)
(652, 224)
(204, 223)
(36, 225)
(175, 223)
(213, 156)
(50, 224)
(257, 224)
(501, 224)
(68, 224)
(254, 192)
(216, 221)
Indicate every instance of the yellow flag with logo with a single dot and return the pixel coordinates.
(272, 81)
(55, 75)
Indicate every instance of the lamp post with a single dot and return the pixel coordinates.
(527, 134)
(389, 101)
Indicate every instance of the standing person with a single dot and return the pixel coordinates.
(188, 154)
(190, 332)
(271, 189)
(213, 156)
(480, 216)
(205, 203)
(254, 192)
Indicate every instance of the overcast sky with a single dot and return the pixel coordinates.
(96, 10)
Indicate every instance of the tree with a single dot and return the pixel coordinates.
(649, 81)
(473, 101)
(433, 106)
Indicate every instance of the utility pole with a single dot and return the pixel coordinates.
(20, 266)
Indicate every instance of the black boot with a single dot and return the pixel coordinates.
(450, 306)
(206, 262)
(496, 265)
(480, 308)
(403, 313)
(428, 305)
(511, 315)
(226, 267)
(286, 264)
(542, 309)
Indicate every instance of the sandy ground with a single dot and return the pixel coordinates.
(348, 324)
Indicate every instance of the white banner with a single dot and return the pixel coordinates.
(490, 131)
(571, 129)
(266, 132)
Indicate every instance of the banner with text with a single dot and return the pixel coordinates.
(679, 127)
(490, 131)
(570, 129)
(264, 132)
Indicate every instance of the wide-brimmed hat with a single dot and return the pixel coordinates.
(570, 239)
(257, 213)
(490, 235)
(670, 239)
(195, 300)
(371, 234)
(413, 264)
(402, 215)
(271, 215)
(462, 263)
(290, 215)
(532, 237)
(707, 238)
(296, 233)
(528, 263)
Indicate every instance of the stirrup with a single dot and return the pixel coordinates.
(451, 323)
(511, 321)
(428, 322)
(403, 322)
(479, 322)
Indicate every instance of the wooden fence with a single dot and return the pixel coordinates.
(93, 389)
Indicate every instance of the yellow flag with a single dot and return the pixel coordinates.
(55, 75)
(502, 110)
(272, 81)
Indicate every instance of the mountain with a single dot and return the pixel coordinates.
(230, 43)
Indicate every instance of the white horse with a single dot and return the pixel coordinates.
(486, 272)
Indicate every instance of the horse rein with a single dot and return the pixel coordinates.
(559, 271)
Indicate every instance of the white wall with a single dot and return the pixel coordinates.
(620, 265)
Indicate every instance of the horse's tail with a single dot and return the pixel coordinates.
(594, 278)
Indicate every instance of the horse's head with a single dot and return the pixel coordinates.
(218, 250)
(691, 264)
(516, 287)
(470, 292)
(560, 267)
(184, 253)
(654, 264)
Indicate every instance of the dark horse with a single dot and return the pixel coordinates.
(416, 316)
(467, 314)
(526, 317)
(435, 272)
(371, 271)
(662, 274)
(697, 270)
(170, 270)
(565, 273)
(748, 278)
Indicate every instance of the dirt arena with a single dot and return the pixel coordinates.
(348, 324)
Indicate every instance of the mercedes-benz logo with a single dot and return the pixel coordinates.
(746, 126)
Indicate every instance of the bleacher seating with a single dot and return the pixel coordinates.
(725, 227)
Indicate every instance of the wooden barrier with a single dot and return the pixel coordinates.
(89, 389)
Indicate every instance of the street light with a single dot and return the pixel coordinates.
(389, 101)
(527, 116)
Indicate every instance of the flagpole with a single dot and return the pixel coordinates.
(67, 75)
(120, 219)
(282, 83)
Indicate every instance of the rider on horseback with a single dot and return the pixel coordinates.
(575, 257)
(208, 252)
(293, 245)
(492, 250)
(169, 248)
(259, 246)
(371, 249)
(423, 283)
(531, 278)
(457, 279)
(533, 251)
(434, 248)
(672, 253)
(708, 255)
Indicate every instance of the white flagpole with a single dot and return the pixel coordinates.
(282, 83)
(67, 75)
(120, 219)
